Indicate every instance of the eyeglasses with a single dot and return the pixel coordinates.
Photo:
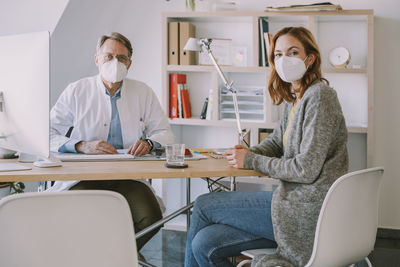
(121, 58)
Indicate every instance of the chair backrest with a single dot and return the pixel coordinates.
(72, 228)
(348, 220)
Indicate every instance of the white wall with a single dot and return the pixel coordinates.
(24, 16)
(74, 40)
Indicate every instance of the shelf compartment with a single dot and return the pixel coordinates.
(209, 68)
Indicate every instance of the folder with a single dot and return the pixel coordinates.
(173, 43)
(174, 80)
(186, 30)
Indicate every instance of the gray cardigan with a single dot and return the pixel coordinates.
(315, 155)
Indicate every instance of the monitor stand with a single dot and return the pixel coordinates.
(40, 162)
(10, 166)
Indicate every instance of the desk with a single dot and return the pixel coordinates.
(124, 170)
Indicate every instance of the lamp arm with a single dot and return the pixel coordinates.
(234, 95)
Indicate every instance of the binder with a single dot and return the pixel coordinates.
(174, 80)
(186, 30)
(173, 43)
(187, 110)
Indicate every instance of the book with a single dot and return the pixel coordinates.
(174, 80)
(263, 23)
(203, 113)
(209, 105)
(267, 42)
(180, 110)
(323, 6)
(187, 110)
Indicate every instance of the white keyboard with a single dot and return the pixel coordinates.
(96, 157)
(76, 157)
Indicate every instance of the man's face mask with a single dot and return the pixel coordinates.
(113, 71)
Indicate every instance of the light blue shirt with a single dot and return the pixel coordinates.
(115, 133)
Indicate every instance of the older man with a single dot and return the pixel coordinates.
(106, 112)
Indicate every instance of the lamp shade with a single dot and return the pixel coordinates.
(192, 44)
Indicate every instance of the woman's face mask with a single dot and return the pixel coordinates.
(113, 71)
(290, 69)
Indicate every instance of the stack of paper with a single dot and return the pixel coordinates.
(324, 6)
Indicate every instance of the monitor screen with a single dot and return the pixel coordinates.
(25, 89)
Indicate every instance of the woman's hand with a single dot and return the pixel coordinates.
(236, 155)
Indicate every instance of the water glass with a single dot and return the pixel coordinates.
(175, 154)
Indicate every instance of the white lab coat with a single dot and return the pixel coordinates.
(85, 106)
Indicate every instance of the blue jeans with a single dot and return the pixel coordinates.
(225, 223)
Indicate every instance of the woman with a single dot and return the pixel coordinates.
(306, 153)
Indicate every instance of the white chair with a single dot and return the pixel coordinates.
(72, 228)
(347, 223)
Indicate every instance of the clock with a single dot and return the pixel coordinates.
(339, 57)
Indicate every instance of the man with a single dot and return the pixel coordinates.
(100, 114)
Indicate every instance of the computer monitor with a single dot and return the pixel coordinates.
(25, 90)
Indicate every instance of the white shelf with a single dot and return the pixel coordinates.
(203, 68)
(222, 123)
(344, 70)
(355, 86)
(243, 103)
(245, 124)
(249, 69)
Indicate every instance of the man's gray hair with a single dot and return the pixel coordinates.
(117, 37)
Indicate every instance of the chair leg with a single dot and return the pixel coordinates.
(242, 263)
(144, 264)
(368, 262)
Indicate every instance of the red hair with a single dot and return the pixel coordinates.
(281, 90)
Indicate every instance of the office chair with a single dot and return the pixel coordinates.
(71, 228)
(347, 223)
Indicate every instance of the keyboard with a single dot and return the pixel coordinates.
(77, 157)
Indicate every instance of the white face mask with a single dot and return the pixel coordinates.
(113, 71)
(290, 69)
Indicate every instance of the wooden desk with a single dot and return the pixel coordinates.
(124, 170)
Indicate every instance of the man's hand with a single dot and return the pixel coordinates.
(95, 147)
(236, 155)
(141, 147)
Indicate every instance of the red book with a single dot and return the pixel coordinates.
(187, 110)
(174, 80)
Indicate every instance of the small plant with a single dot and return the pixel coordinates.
(15, 187)
(190, 4)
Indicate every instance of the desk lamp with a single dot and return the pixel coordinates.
(203, 45)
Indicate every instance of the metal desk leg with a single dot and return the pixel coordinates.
(233, 183)
(187, 203)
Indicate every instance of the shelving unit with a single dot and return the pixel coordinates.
(350, 28)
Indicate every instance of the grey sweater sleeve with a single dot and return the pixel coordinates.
(316, 127)
(272, 146)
